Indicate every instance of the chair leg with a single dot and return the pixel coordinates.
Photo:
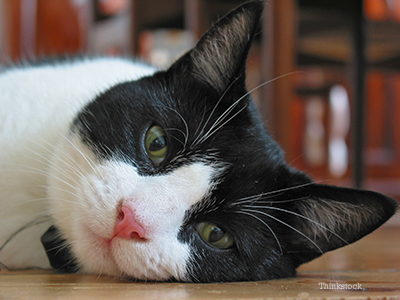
(359, 104)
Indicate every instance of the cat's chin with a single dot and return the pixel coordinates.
(131, 259)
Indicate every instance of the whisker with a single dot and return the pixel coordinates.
(45, 161)
(220, 119)
(284, 223)
(68, 160)
(270, 81)
(186, 136)
(226, 113)
(32, 170)
(201, 122)
(62, 190)
(88, 160)
(215, 130)
(176, 129)
(300, 216)
(61, 246)
(263, 222)
(251, 201)
(196, 142)
(272, 194)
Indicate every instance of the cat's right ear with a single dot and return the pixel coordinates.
(219, 58)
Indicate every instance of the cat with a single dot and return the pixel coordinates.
(120, 169)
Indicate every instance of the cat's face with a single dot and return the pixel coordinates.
(174, 177)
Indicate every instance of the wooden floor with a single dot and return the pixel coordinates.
(368, 269)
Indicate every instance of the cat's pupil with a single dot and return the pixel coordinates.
(216, 234)
(158, 144)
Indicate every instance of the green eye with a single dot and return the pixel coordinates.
(214, 235)
(156, 144)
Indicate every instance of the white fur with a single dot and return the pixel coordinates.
(36, 107)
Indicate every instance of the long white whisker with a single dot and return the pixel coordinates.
(32, 170)
(295, 187)
(300, 216)
(196, 142)
(270, 81)
(284, 223)
(272, 193)
(200, 123)
(226, 113)
(220, 119)
(72, 164)
(62, 190)
(257, 200)
(215, 130)
(88, 160)
(45, 161)
(263, 222)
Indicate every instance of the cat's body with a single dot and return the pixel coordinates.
(164, 176)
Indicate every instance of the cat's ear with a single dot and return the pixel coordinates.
(220, 55)
(331, 217)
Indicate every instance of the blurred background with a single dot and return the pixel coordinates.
(333, 95)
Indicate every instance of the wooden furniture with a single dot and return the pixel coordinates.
(39, 27)
(306, 37)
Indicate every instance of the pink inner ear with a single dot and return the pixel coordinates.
(127, 227)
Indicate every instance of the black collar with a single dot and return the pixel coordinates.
(58, 251)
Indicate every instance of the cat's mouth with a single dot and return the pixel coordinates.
(108, 242)
(134, 237)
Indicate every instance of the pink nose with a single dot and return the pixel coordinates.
(127, 227)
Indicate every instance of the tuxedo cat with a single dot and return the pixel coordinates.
(117, 168)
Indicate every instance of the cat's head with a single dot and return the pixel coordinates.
(173, 177)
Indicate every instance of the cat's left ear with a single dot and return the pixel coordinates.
(220, 55)
(331, 217)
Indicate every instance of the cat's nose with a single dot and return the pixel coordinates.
(127, 227)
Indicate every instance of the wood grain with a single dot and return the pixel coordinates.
(368, 269)
(360, 285)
